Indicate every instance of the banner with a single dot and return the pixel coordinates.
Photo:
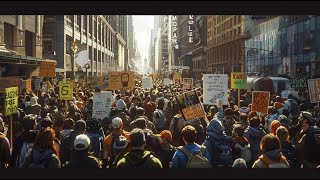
(187, 83)
(47, 69)
(215, 89)
(147, 82)
(176, 77)
(6, 82)
(121, 80)
(11, 100)
(166, 81)
(190, 105)
(238, 80)
(314, 90)
(297, 83)
(102, 104)
(66, 90)
(260, 101)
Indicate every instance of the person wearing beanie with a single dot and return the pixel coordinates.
(167, 150)
(139, 157)
(121, 112)
(81, 158)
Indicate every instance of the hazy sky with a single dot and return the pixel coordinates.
(142, 27)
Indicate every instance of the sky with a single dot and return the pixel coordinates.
(142, 28)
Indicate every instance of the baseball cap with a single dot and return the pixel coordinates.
(166, 134)
(116, 122)
(81, 142)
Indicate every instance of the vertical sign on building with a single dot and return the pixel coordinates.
(174, 32)
(314, 90)
(190, 28)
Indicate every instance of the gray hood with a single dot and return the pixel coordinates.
(215, 129)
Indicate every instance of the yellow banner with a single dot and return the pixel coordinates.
(47, 69)
(121, 80)
(11, 100)
(66, 90)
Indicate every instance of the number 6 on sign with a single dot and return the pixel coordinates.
(66, 90)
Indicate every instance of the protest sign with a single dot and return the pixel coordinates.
(238, 80)
(147, 82)
(11, 100)
(190, 105)
(215, 89)
(47, 69)
(260, 101)
(66, 90)
(121, 80)
(166, 81)
(187, 83)
(102, 104)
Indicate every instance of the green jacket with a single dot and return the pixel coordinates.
(139, 159)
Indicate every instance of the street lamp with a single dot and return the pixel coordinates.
(74, 49)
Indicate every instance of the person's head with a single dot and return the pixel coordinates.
(137, 138)
(278, 99)
(166, 135)
(117, 123)
(254, 122)
(243, 117)
(80, 127)
(238, 130)
(160, 104)
(45, 139)
(305, 119)
(68, 123)
(213, 110)
(228, 112)
(29, 122)
(81, 143)
(282, 133)
(46, 122)
(243, 103)
(252, 114)
(189, 134)
(270, 142)
(140, 111)
(33, 101)
(121, 105)
(141, 123)
(72, 109)
(239, 163)
(274, 126)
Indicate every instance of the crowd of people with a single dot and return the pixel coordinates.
(146, 129)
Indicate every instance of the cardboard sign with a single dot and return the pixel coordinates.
(102, 104)
(147, 83)
(260, 101)
(6, 82)
(177, 77)
(190, 105)
(238, 80)
(47, 69)
(166, 81)
(121, 80)
(26, 84)
(11, 100)
(215, 89)
(314, 90)
(66, 90)
(187, 83)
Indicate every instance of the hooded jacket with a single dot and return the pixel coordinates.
(139, 158)
(83, 159)
(254, 136)
(274, 155)
(43, 156)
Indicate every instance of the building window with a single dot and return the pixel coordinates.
(47, 46)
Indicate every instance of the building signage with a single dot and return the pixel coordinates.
(174, 32)
(190, 28)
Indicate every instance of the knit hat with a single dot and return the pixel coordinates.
(81, 142)
(120, 105)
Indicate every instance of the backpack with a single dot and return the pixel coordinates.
(24, 153)
(196, 159)
(245, 152)
(312, 145)
(289, 152)
(66, 147)
(272, 164)
(42, 164)
(152, 143)
(222, 153)
(158, 119)
(119, 143)
(254, 142)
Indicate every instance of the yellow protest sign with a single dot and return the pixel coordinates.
(11, 100)
(47, 69)
(6, 82)
(121, 80)
(238, 80)
(260, 101)
(177, 77)
(66, 90)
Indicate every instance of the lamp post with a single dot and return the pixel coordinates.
(74, 49)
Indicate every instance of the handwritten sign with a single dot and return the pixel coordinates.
(6, 82)
(66, 90)
(147, 83)
(190, 105)
(260, 101)
(238, 80)
(166, 81)
(215, 89)
(314, 90)
(47, 69)
(11, 100)
(102, 104)
(177, 77)
(121, 80)
(187, 83)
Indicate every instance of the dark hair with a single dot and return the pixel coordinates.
(68, 123)
(255, 122)
(189, 134)
(141, 123)
(137, 137)
(45, 139)
(238, 129)
(29, 122)
(270, 142)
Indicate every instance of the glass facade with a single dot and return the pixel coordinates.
(280, 48)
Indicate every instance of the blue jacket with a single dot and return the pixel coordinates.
(180, 159)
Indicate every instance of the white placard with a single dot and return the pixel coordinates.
(102, 104)
(166, 81)
(147, 82)
(215, 89)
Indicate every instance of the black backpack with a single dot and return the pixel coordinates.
(222, 152)
(289, 152)
(66, 147)
(119, 143)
